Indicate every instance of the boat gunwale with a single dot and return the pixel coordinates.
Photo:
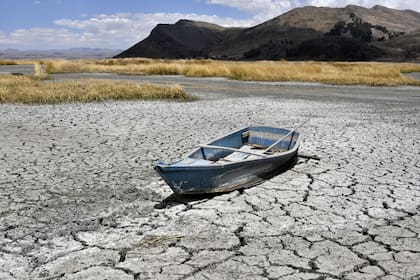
(171, 167)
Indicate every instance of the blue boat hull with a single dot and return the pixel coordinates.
(205, 176)
(213, 179)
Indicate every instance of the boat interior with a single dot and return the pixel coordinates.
(246, 144)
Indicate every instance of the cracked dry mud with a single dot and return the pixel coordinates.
(80, 200)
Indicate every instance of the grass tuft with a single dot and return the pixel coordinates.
(8, 62)
(22, 89)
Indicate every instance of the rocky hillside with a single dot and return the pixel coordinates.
(350, 33)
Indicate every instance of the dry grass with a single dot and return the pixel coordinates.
(345, 73)
(39, 72)
(22, 89)
(8, 62)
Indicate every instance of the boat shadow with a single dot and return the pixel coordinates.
(185, 199)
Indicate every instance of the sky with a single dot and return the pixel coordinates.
(118, 24)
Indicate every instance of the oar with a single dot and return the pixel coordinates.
(285, 136)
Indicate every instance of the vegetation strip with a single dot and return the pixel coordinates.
(8, 62)
(23, 89)
(341, 73)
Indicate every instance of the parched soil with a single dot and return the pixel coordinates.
(80, 198)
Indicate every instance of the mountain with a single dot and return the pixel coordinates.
(349, 33)
(184, 39)
(62, 53)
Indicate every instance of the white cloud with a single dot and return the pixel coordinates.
(118, 31)
(33, 37)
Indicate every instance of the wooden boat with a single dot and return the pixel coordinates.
(238, 160)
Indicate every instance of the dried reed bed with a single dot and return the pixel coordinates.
(345, 73)
(8, 62)
(23, 89)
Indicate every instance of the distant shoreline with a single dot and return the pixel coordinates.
(74, 53)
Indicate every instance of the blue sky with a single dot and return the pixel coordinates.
(118, 24)
(42, 13)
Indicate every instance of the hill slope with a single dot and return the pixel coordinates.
(349, 33)
(183, 39)
(405, 47)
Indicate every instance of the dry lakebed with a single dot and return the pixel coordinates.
(80, 198)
